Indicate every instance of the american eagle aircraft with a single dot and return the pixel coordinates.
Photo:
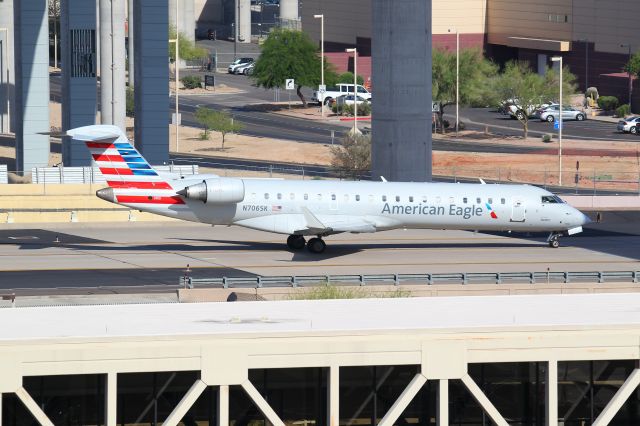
(319, 208)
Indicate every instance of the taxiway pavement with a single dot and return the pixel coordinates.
(151, 254)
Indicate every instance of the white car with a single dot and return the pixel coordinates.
(552, 113)
(348, 100)
(340, 89)
(516, 111)
(238, 63)
(630, 124)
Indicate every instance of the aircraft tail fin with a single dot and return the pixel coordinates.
(119, 162)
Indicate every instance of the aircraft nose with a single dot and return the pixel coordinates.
(585, 219)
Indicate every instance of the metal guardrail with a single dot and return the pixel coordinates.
(414, 279)
(4, 176)
(54, 175)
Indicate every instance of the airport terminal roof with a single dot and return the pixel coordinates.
(474, 313)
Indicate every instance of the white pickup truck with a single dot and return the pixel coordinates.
(333, 92)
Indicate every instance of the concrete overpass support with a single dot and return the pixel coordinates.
(289, 13)
(79, 83)
(130, 36)
(7, 69)
(112, 63)
(31, 44)
(244, 10)
(401, 127)
(150, 19)
(186, 17)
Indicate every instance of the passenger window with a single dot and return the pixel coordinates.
(397, 198)
(384, 198)
(478, 200)
(357, 198)
(424, 198)
(292, 196)
(464, 200)
(279, 196)
(411, 199)
(266, 196)
(306, 196)
(490, 201)
(333, 197)
(503, 201)
(346, 198)
(319, 197)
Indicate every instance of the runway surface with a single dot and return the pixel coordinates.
(144, 254)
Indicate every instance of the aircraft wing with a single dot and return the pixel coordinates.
(319, 225)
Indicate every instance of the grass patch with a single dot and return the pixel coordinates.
(329, 291)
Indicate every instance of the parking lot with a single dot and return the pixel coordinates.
(590, 129)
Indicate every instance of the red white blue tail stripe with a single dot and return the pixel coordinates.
(133, 179)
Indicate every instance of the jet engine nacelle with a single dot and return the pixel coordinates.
(216, 191)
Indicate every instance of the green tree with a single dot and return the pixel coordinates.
(633, 66)
(290, 54)
(531, 90)
(219, 121)
(188, 49)
(347, 77)
(352, 159)
(475, 73)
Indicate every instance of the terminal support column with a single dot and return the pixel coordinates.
(223, 405)
(443, 403)
(79, 83)
(111, 400)
(31, 115)
(401, 124)
(334, 395)
(551, 384)
(151, 26)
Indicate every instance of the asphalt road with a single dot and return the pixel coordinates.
(152, 255)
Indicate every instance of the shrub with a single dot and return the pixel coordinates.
(546, 137)
(364, 109)
(191, 82)
(623, 110)
(608, 103)
(130, 103)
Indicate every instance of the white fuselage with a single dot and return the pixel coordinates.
(363, 206)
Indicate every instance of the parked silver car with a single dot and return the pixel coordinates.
(630, 124)
(552, 113)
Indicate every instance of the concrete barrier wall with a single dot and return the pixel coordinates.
(36, 203)
(437, 290)
(603, 202)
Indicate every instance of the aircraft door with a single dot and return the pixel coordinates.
(518, 210)
(334, 202)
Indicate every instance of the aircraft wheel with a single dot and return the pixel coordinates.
(554, 243)
(295, 242)
(316, 245)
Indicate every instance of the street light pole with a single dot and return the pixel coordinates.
(629, 74)
(457, 79)
(321, 17)
(177, 78)
(355, 89)
(559, 59)
(5, 63)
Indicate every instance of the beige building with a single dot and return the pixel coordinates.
(593, 36)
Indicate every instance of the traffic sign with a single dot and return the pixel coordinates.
(556, 125)
(290, 84)
(322, 88)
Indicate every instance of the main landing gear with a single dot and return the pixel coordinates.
(554, 239)
(314, 245)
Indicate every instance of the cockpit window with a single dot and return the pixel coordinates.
(551, 199)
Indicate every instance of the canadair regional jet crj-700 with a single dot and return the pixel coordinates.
(318, 208)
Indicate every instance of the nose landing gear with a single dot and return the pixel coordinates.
(554, 239)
